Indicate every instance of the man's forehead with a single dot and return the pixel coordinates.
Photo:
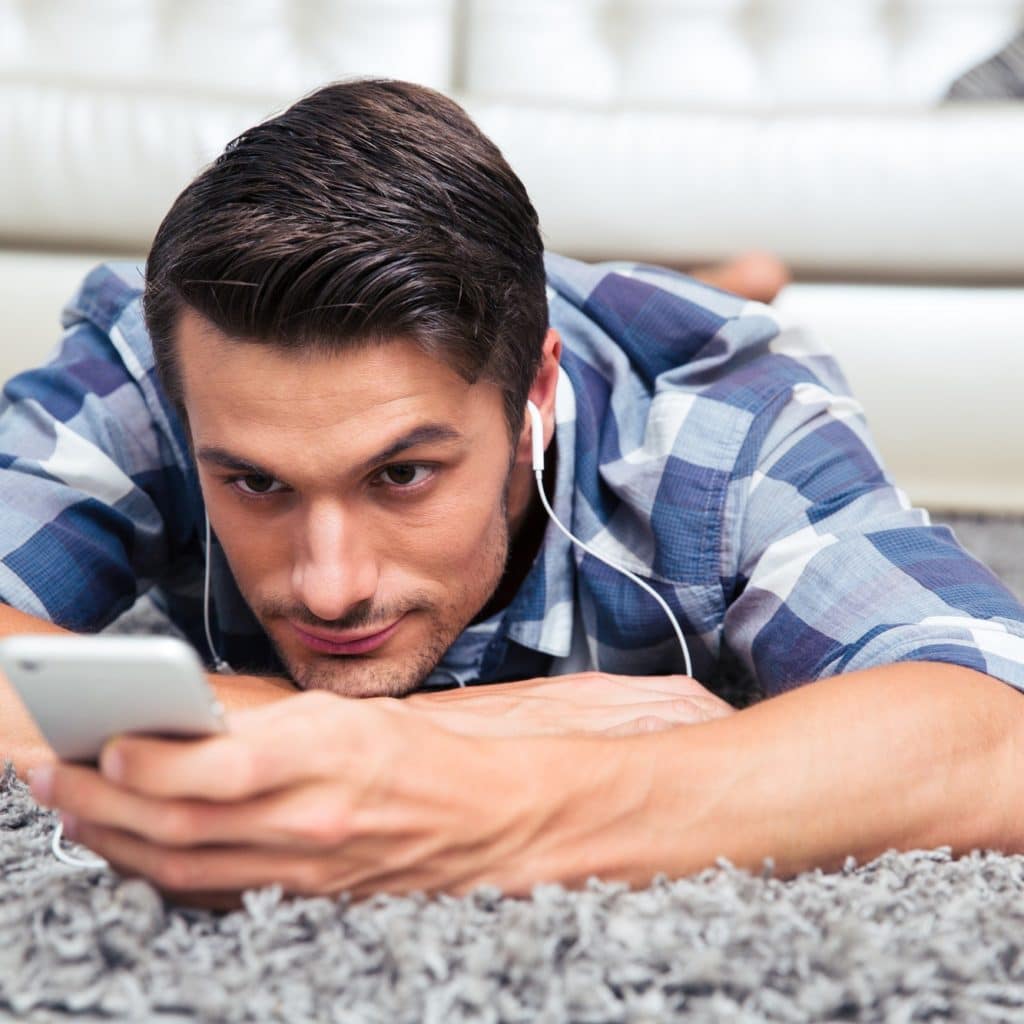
(217, 369)
(243, 397)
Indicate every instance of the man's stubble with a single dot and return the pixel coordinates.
(359, 676)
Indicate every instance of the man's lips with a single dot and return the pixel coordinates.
(344, 643)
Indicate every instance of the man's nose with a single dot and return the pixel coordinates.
(335, 566)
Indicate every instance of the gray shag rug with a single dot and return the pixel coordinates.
(916, 936)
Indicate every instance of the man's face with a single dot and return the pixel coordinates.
(360, 499)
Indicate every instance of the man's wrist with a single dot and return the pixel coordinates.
(586, 810)
(237, 692)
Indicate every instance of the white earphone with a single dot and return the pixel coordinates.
(537, 440)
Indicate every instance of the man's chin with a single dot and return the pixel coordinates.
(396, 668)
(362, 675)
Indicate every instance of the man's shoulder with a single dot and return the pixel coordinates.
(676, 387)
(658, 333)
(105, 293)
(109, 299)
(624, 283)
(106, 356)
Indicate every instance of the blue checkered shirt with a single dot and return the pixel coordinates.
(712, 451)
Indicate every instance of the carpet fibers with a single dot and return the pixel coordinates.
(914, 936)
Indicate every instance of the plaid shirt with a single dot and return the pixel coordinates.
(704, 446)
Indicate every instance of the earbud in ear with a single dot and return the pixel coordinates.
(536, 436)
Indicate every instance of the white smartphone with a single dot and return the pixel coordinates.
(82, 690)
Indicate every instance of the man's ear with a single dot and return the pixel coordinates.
(542, 394)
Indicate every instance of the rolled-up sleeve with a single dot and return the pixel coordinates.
(836, 572)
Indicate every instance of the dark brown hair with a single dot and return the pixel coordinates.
(369, 210)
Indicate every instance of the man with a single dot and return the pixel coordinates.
(349, 312)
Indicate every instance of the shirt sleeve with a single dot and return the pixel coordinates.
(92, 494)
(835, 571)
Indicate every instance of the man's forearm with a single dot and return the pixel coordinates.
(20, 740)
(909, 756)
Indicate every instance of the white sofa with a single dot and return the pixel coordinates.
(675, 131)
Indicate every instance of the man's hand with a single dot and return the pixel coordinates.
(593, 702)
(322, 794)
(318, 793)
(22, 743)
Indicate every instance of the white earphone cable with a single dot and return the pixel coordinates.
(93, 862)
(218, 662)
(625, 572)
(537, 429)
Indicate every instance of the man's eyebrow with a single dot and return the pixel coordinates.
(218, 456)
(427, 433)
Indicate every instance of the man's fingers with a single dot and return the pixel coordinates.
(645, 723)
(298, 819)
(208, 870)
(221, 768)
(667, 714)
(599, 688)
(598, 719)
(676, 686)
(267, 748)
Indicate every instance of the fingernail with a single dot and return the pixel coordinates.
(112, 763)
(70, 823)
(40, 783)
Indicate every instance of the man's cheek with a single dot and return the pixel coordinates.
(261, 565)
(461, 527)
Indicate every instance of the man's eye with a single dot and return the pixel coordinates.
(257, 484)
(405, 474)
